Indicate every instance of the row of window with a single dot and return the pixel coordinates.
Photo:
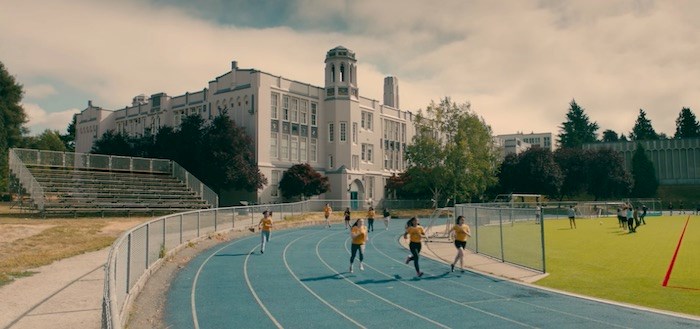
(293, 148)
(295, 110)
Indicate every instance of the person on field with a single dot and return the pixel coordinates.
(643, 214)
(387, 218)
(538, 214)
(416, 234)
(636, 217)
(346, 217)
(265, 226)
(572, 216)
(370, 219)
(670, 208)
(630, 219)
(327, 214)
(461, 232)
(358, 234)
(621, 219)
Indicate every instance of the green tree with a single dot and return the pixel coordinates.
(643, 174)
(12, 120)
(113, 144)
(49, 140)
(607, 175)
(69, 138)
(533, 171)
(301, 180)
(226, 159)
(574, 164)
(687, 125)
(452, 153)
(577, 129)
(642, 129)
(610, 136)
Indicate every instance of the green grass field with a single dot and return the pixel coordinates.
(600, 259)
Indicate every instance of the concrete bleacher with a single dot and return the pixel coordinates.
(74, 190)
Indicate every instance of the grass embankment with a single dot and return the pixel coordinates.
(600, 259)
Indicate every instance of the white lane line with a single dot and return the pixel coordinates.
(506, 298)
(443, 297)
(284, 257)
(370, 292)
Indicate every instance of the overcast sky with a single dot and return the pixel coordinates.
(519, 63)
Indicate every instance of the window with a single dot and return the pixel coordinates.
(294, 149)
(313, 113)
(274, 183)
(354, 132)
(285, 108)
(313, 148)
(284, 147)
(343, 131)
(330, 161)
(330, 132)
(273, 146)
(274, 100)
(366, 120)
(367, 150)
(295, 110)
(303, 154)
(303, 111)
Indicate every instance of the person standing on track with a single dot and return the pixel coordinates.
(327, 214)
(370, 219)
(265, 226)
(387, 218)
(416, 233)
(358, 234)
(346, 216)
(461, 232)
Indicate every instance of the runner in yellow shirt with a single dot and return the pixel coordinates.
(327, 214)
(370, 219)
(461, 232)
(358, 234)
(265, 226)
(416, 234)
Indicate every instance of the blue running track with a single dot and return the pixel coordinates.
(302, 281)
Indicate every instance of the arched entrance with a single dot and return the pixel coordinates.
(357, 194)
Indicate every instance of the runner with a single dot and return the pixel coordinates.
(387, 218)
(461, 232)
(416, 232)
(327, 214)
(265, 226)
(358, 234)
(347, 217)
(370, 219)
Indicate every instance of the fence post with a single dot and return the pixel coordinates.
(128, 263)
(500, 226)
(476, 223)
(148, 238)
(180, 229)
(544, 266)
(198, 225)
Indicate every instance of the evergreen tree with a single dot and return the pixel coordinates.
(113, 144)
(574, 164)
(577, 129)
(49, 140)
(642, 129)
(643, 174)
(69, 138)
(687, 125)
(610, 136)
(12, 120)
(607, 177)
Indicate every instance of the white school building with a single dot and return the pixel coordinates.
(357, 142)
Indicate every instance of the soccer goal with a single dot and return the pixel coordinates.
(595, 209)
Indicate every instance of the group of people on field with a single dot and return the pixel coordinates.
(630, 217)
(414, 233)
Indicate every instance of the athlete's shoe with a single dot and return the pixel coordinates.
(350, 268)
(420, 274)
(452, 267)
(408, 259)
(262, 251)
(362, 268)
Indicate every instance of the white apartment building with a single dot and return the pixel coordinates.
(357, 142)
(519, 142)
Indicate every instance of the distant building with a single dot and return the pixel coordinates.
(356, 141)
(519, 142)
(676, 161)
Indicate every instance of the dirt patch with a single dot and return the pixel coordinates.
(12, 232)
(116, 227)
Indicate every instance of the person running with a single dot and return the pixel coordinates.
(630, 219)
(461, 232)
(370, 219)
(622, 221)
(572, 216)
(416, 233)
(358, 234)
(346, 216)
(387, 218)
(644, 214)
(327, 214)
(265, 226)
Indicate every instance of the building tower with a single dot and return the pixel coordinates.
(391, 92)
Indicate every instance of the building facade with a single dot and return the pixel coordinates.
(519, 142)
(357, 142)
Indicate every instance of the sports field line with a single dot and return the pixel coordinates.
(289, 269)
(675, 254)
(440, 296)
(501, 297)
(370, 292)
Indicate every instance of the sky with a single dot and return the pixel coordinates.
(519, 63)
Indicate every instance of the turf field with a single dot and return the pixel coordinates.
(601, 259)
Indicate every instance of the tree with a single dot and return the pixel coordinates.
(642, 129)
(69, 138)
(577, 129)
(49, 140)
(574, 164)
(227, 158)
(687, 125)
(607, 175)
(12, 120)
(643, 174)
(610, 136)
(533, 171)
(302, 180)
(452, 153)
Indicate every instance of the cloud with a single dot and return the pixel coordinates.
(40, 120)
(518, 63)
(39, 91)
